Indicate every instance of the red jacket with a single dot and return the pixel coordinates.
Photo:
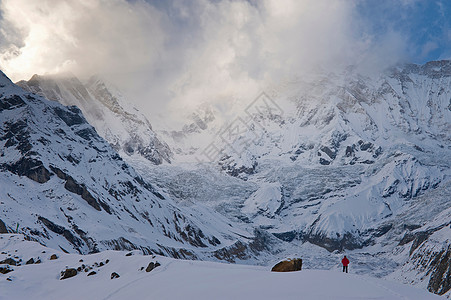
(345, 261)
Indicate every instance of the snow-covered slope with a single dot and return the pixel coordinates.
(114, 118)
(344, 151)
(173, 279)
(64, 186)
(331, 159)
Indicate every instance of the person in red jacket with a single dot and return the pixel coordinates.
(345, 262)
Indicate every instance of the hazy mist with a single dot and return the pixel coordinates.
(169, 55)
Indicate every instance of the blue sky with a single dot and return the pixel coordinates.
(424, 23)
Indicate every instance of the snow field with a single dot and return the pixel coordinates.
(177, 279)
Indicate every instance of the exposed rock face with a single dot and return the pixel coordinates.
(3, 227)
(78, 181)
(80, 189)
(290, 265)
(115, 275)
(429, 251)
(440, 281)
(102, 105)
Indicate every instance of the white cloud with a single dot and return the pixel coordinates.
(428, 47)
(185, 52)
(81, 36)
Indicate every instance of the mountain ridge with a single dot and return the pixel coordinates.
(346, 162)
(115, 119)
(64, 186)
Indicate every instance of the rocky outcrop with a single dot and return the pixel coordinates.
(152, 265)
(80, 189)
(132, 133)
(3, 228)
(67, 234)
(261, 242)
(32, 168)
(9, 261)
(30, 261)
(440, 281)
(12, 102)
(5, 269)
(238, 250)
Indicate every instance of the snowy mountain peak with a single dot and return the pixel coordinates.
(432, 69)
(4, 80)
(114, 118)
(64, 186)
(350, 163)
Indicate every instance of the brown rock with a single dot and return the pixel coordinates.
(152, 266)
(289, 265)
(53, 257)
(5, 269)
(68, 273)
(9, 261)
(30, 261)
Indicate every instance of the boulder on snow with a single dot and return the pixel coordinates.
(114, 275)
(3, 227)
(68, 273)
(288, 265)
(53, 257)
(9, 261)
(30, 261)
(152, 266)
(5, 269)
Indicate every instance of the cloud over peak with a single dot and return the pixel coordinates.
(186, 52)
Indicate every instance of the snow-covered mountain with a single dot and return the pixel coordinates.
(313, 167)
(335, 160)
(114, 118)
(65, 186)
(333, 156)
